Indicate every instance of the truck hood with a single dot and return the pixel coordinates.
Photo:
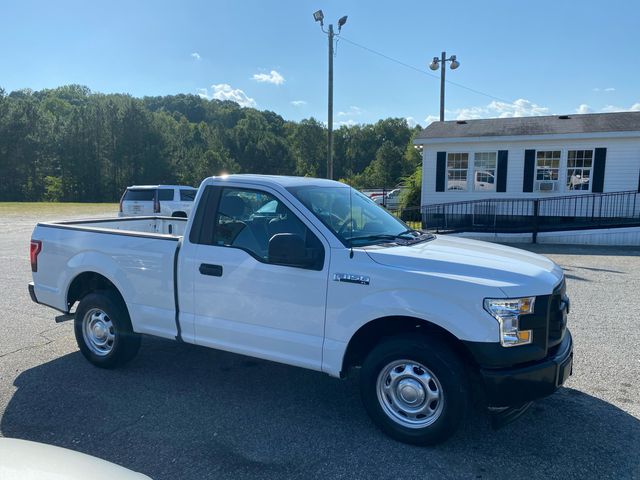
(516, 272)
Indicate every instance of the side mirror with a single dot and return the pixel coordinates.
(289, 249)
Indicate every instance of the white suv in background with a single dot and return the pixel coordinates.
(158, 200)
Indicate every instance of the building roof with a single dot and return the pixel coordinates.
(547, 125)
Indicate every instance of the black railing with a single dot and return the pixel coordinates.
(571, 212)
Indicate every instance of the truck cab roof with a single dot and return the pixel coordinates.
(141, 187)
(276, 180)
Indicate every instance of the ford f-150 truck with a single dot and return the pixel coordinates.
(312, 273)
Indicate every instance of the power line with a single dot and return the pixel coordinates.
(412, 67)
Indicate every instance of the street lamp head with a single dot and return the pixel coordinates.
(341, 22)
(319, 17)
(434, 64)
(454, 62)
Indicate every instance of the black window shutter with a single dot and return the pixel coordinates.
(529, 170)
(501, 180)
(441, 171)
(599, 162)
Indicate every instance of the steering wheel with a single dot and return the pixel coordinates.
(347, 222)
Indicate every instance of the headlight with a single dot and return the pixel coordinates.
(507, 312)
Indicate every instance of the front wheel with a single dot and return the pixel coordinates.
(415, 389)
(103, 330)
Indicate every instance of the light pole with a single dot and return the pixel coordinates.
(435, 64)
(319, 17)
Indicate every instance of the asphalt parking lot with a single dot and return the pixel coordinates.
(179, 411)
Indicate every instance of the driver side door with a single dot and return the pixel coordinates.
(246, 303)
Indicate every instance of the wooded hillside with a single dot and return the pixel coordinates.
(70, 144)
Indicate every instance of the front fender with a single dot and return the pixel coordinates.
(451, 303)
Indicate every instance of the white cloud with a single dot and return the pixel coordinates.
(584, 108)
(298, 103)
(431, 118)
(271, 77)
(613, 108)
(608, 89)
(195, 56)
(411, 122)
(223, 91)
(519, 108)
(347, 123)
(353, 110)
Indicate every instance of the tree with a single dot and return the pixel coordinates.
(72, 144)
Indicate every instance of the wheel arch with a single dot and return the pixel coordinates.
(88, 282)
(373, 332)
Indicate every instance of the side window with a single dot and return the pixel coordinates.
(187, 195)
(165, 194)
(484, 165)
(579, 165)
(457, 166)
(547, 170)
(248, 219)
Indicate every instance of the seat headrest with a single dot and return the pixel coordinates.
(233, 206)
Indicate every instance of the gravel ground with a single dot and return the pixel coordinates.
(179, 411)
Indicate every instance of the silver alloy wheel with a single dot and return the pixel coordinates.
(98, 332)
(410, 394)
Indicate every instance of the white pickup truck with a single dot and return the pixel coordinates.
(312, 273)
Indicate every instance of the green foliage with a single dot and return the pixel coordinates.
(410, 200)
(53, 191)
(70, 144)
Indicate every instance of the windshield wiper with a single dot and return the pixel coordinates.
(386, 236)
(380, 236)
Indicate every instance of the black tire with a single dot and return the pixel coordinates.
(441, 363)
(124, 343)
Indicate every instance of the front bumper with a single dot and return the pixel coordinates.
(506, 387)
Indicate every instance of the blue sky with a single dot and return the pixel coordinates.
(542, 57)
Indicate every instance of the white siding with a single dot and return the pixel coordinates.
(611, 236)
(621, 172)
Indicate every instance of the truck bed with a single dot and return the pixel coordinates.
(158, 227)
(136, 253)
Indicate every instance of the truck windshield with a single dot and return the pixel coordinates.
(353, 217)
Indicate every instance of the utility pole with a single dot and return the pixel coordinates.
(442, 75)
(330, 109)
(319, 17)
(435, 64)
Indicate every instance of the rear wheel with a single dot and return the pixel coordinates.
(103, 330)
(415, 389)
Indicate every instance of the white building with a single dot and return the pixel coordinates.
(532, 158)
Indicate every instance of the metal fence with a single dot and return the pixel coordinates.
(388, 197)
(594, 210)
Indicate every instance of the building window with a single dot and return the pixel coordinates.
(547, 170)
(579, 164)
(457, 166)
(484, 171)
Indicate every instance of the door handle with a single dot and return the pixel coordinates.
(212, 270)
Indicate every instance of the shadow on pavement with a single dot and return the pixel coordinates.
(179, 411)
